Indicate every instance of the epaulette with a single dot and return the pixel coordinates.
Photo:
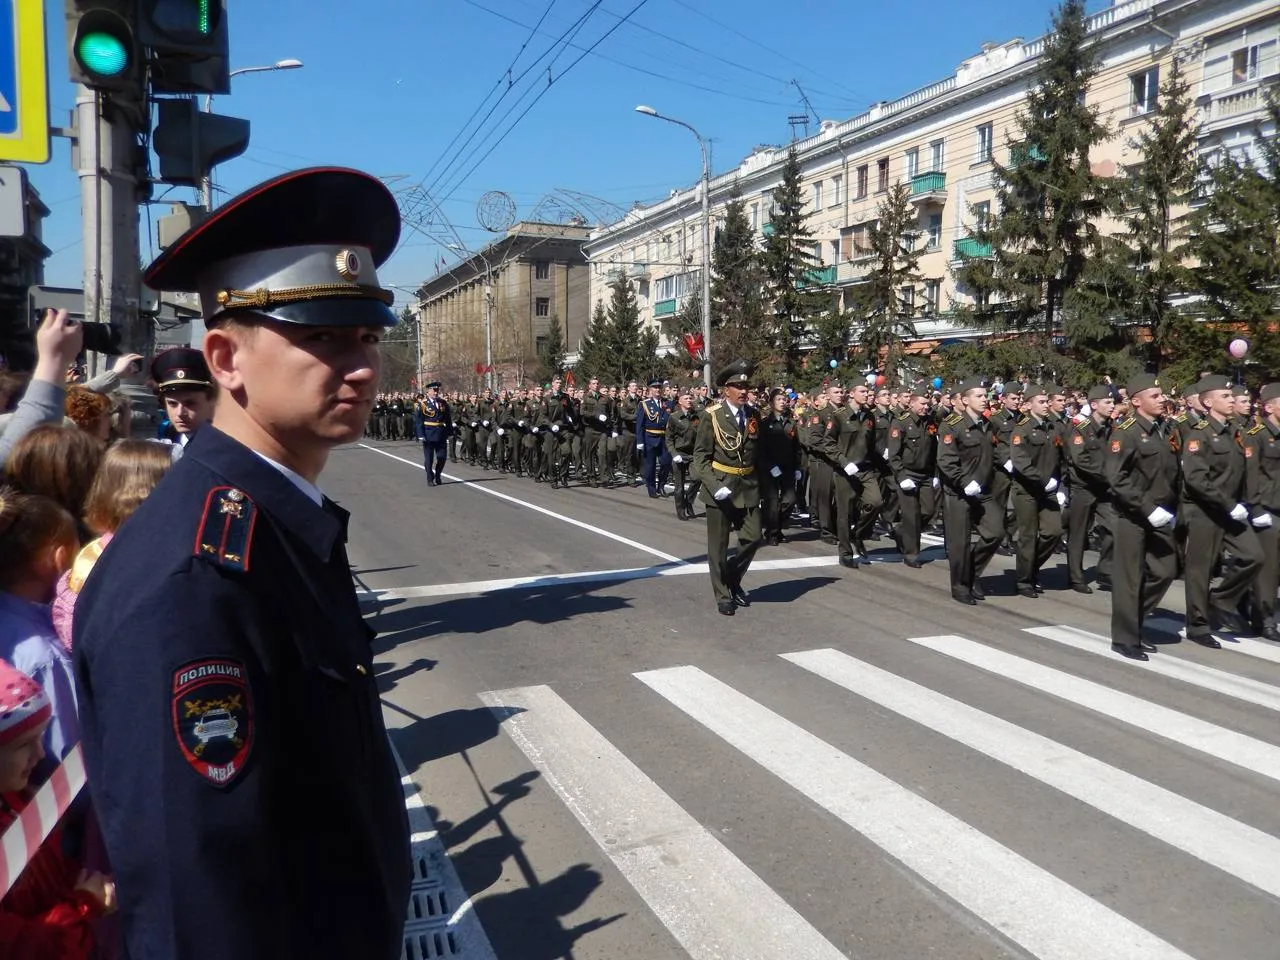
(225, 536)
(903, 416)
(1257, 429)
(713, 407)
(1181, 418)
(1125, 425)
(1024, 419)
(953, 419)
(1202, 425)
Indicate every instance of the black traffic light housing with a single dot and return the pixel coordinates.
(189, 45)
(104, 50)
(190, 143)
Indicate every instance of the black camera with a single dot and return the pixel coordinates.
(103, 338)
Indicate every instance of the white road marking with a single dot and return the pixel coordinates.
(1262, 758)
(1209, 678)
(1043, 914)
(543, 510)
(1261, 649)
(713, 903)
(1226, 843)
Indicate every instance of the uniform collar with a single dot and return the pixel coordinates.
(317, 524)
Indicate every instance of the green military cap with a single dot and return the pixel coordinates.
(1036, 390)
(1269, 392)
(973, 383)
(1191, 390)
(1213, 382)
(1239, 390)
(737, 373)
(1053, 388)
(1101, 392)
(1141, 381)
(922, 388)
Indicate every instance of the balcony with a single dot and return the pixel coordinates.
(612, 274)
(819, 277)
(929, 187)
(665, 308)
(970, 248)
(1019, 154)
(854, 271)
(1238, 104)
(638, 271)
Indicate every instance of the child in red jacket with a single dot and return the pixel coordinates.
(49, 912)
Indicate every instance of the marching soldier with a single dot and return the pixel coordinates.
(682, 430)
(597, 419)
(778, 466)
(848, 443)
(437, 425)
(1262, 491)
(627, 461)
(1090, 497)
(1002, 423)
(1142, 473)
(486, 413)
(820, 470)
(1038, 497)
(965, 449)
(724, 460)
(650, 434)
(913, 460)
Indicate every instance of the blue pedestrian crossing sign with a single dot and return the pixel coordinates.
(24, 83)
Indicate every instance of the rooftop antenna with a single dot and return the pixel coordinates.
(804, 98)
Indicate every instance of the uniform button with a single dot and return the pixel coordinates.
(360, 669)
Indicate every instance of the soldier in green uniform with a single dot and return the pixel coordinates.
(1037, 494)
(526, 421)
(724, 460)
(1002, 423)
(778, 465)
(1090, 498)
(913, 460)
(884, 415)
(486, 411)
(965, 449)
(624, 446)
(820, 468)
(848, 444)
(1262, 491)
(682, 430)
(1213, 492)
(596, 413)
(1142, 472)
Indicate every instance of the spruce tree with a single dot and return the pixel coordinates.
(551, 354)
(887, 303)
(739, 320)
(625, 355)
(788, 259)
(1049, 200)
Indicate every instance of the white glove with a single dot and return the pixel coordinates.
(936, 483)
(535, 429)
(1240, 512)
(501, 432)
(602, 418)
(484, 423)
(1008, 466)
(1262, 520)
(799, 474)
(1051, 485)
(555, 428)
(639, 446)
(474, 424)
(1159, 517)
(972, 488)
(1062, 498)
(885, 453)
(907, 484)
(614, 434)
(677, 459)
(775, 472)
(850, 469)
(723, 493)
(519, 423)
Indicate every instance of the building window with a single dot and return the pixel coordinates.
(854, 242)
(541, 270)
(862, 182)
(1143, 91)
(836, 184)
(542, 307)
(882, 175)
(913, 162)
(539, 344)
(816, 250)
(981, 214)
(907, 300)
(755, 216)
(985, 139)
(935, 231)
(817, 195)
(932, 297)
(677, 285)
(936, 156)
(1244, 64)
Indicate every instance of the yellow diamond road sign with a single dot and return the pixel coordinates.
(24, 96)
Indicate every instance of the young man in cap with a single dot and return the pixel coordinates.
(965, 449)
(724, 460)
(1262, 491)
(437, 426)
(186, 388)
(1084, 450)
(231, 723)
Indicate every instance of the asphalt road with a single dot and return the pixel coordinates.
(854, 766)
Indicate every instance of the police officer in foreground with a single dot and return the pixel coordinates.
(437, 425)
(724, 460)
(231, 724)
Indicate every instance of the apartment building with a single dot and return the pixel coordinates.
(941, 140)
(503, 299)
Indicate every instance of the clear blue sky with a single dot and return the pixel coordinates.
(387, 84)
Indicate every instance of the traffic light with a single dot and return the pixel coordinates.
(189, 45)
(190, 143)
(105, 53)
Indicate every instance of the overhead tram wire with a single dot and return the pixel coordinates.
(456, 182)
(560, 42)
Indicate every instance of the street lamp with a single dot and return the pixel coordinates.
(206, 182)
(706, 236)
(488, 311)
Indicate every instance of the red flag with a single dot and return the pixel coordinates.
(694, 344)
(480, 368)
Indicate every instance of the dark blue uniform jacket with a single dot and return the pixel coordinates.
(234, 740)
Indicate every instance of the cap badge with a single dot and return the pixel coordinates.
(180, 374)
(348, 264)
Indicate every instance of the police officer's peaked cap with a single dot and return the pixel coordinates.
(180, 368)
(433, 385)
(1101, 392)
(1141, 381)
(737, 373)
(1214, 381)
(1269, 392)
(301, 248)
(655, 383)
(973, 383)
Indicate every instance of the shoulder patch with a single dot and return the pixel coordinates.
(1248, 451)
(225, 536)
(1077, 440)
(1115, 446)
(212, 717)
(946, 438)
(1016, 439)
(894, 432)
(1193, 446)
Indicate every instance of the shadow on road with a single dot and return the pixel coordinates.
(454, 731)
(784, 591)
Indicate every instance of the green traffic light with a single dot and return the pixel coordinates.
(103, 54)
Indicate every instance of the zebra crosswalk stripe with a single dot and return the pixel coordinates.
(712, 902)
(1152, 718)
(1197, 674)
(1237, 848)
(1045, 915)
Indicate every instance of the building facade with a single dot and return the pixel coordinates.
(940, 140)
(501, 301)
(21, 267)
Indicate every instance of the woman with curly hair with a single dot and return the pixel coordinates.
(89, 411)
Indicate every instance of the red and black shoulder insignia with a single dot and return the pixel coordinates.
(225, 535)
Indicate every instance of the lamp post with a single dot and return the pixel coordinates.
(706, 236)
(206, 182)
(488, 311)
